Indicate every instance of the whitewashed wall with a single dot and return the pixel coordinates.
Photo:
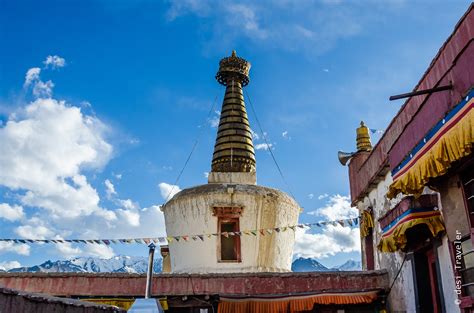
(402, 296)
(447, 277)
(190, 212)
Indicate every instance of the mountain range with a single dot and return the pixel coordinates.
(313, 265)
(116, 264)
(132, 264)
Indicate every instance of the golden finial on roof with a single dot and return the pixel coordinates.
(363, 138)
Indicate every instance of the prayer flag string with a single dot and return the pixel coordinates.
(190, 238)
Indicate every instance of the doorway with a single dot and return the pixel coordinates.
(425, 270)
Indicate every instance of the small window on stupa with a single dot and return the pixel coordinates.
(229, 240)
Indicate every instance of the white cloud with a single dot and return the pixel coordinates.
(22, 249)
(311, 196)
(206, 174)
(132, 217)
(179, 8)
(255, 135)
(244, 17)
(43, 89)
(232, 16)
(151, 221)
(214, 121)
(34, 232)
(8, 265)
(32, 75)
(85, 104)
(337, 207)
(118, 176)
(167, 190)
(323, 196)
(326, 70)
(54, 62)
(101, 251)
(105, 214)
(48, 147)
(285, 135)
(263, 146)
(127, 204)
(67, 250)
(306, 26)
(109, 189)
(332, 240)
(11, 213)
(44, 150)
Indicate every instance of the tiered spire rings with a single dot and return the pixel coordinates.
(233, 151)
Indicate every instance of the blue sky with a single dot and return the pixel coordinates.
(128, 87)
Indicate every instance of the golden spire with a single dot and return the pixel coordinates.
(363, 138)
(233, 151)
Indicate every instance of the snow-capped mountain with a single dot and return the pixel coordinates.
(307, 265)
(350, 265)
(313, 265)
(117, 264)
(132, 264)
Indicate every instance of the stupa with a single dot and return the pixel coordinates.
(231, 203)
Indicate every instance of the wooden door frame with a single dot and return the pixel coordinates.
(237, 246)
(433, 247)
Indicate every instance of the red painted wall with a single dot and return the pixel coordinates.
(84, 284)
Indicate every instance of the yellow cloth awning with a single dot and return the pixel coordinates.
(118, 302)
(123, 303)
(394, 235)
(449, 141)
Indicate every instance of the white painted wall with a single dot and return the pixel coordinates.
(190, 212)
(447, 277)
(402, 296)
